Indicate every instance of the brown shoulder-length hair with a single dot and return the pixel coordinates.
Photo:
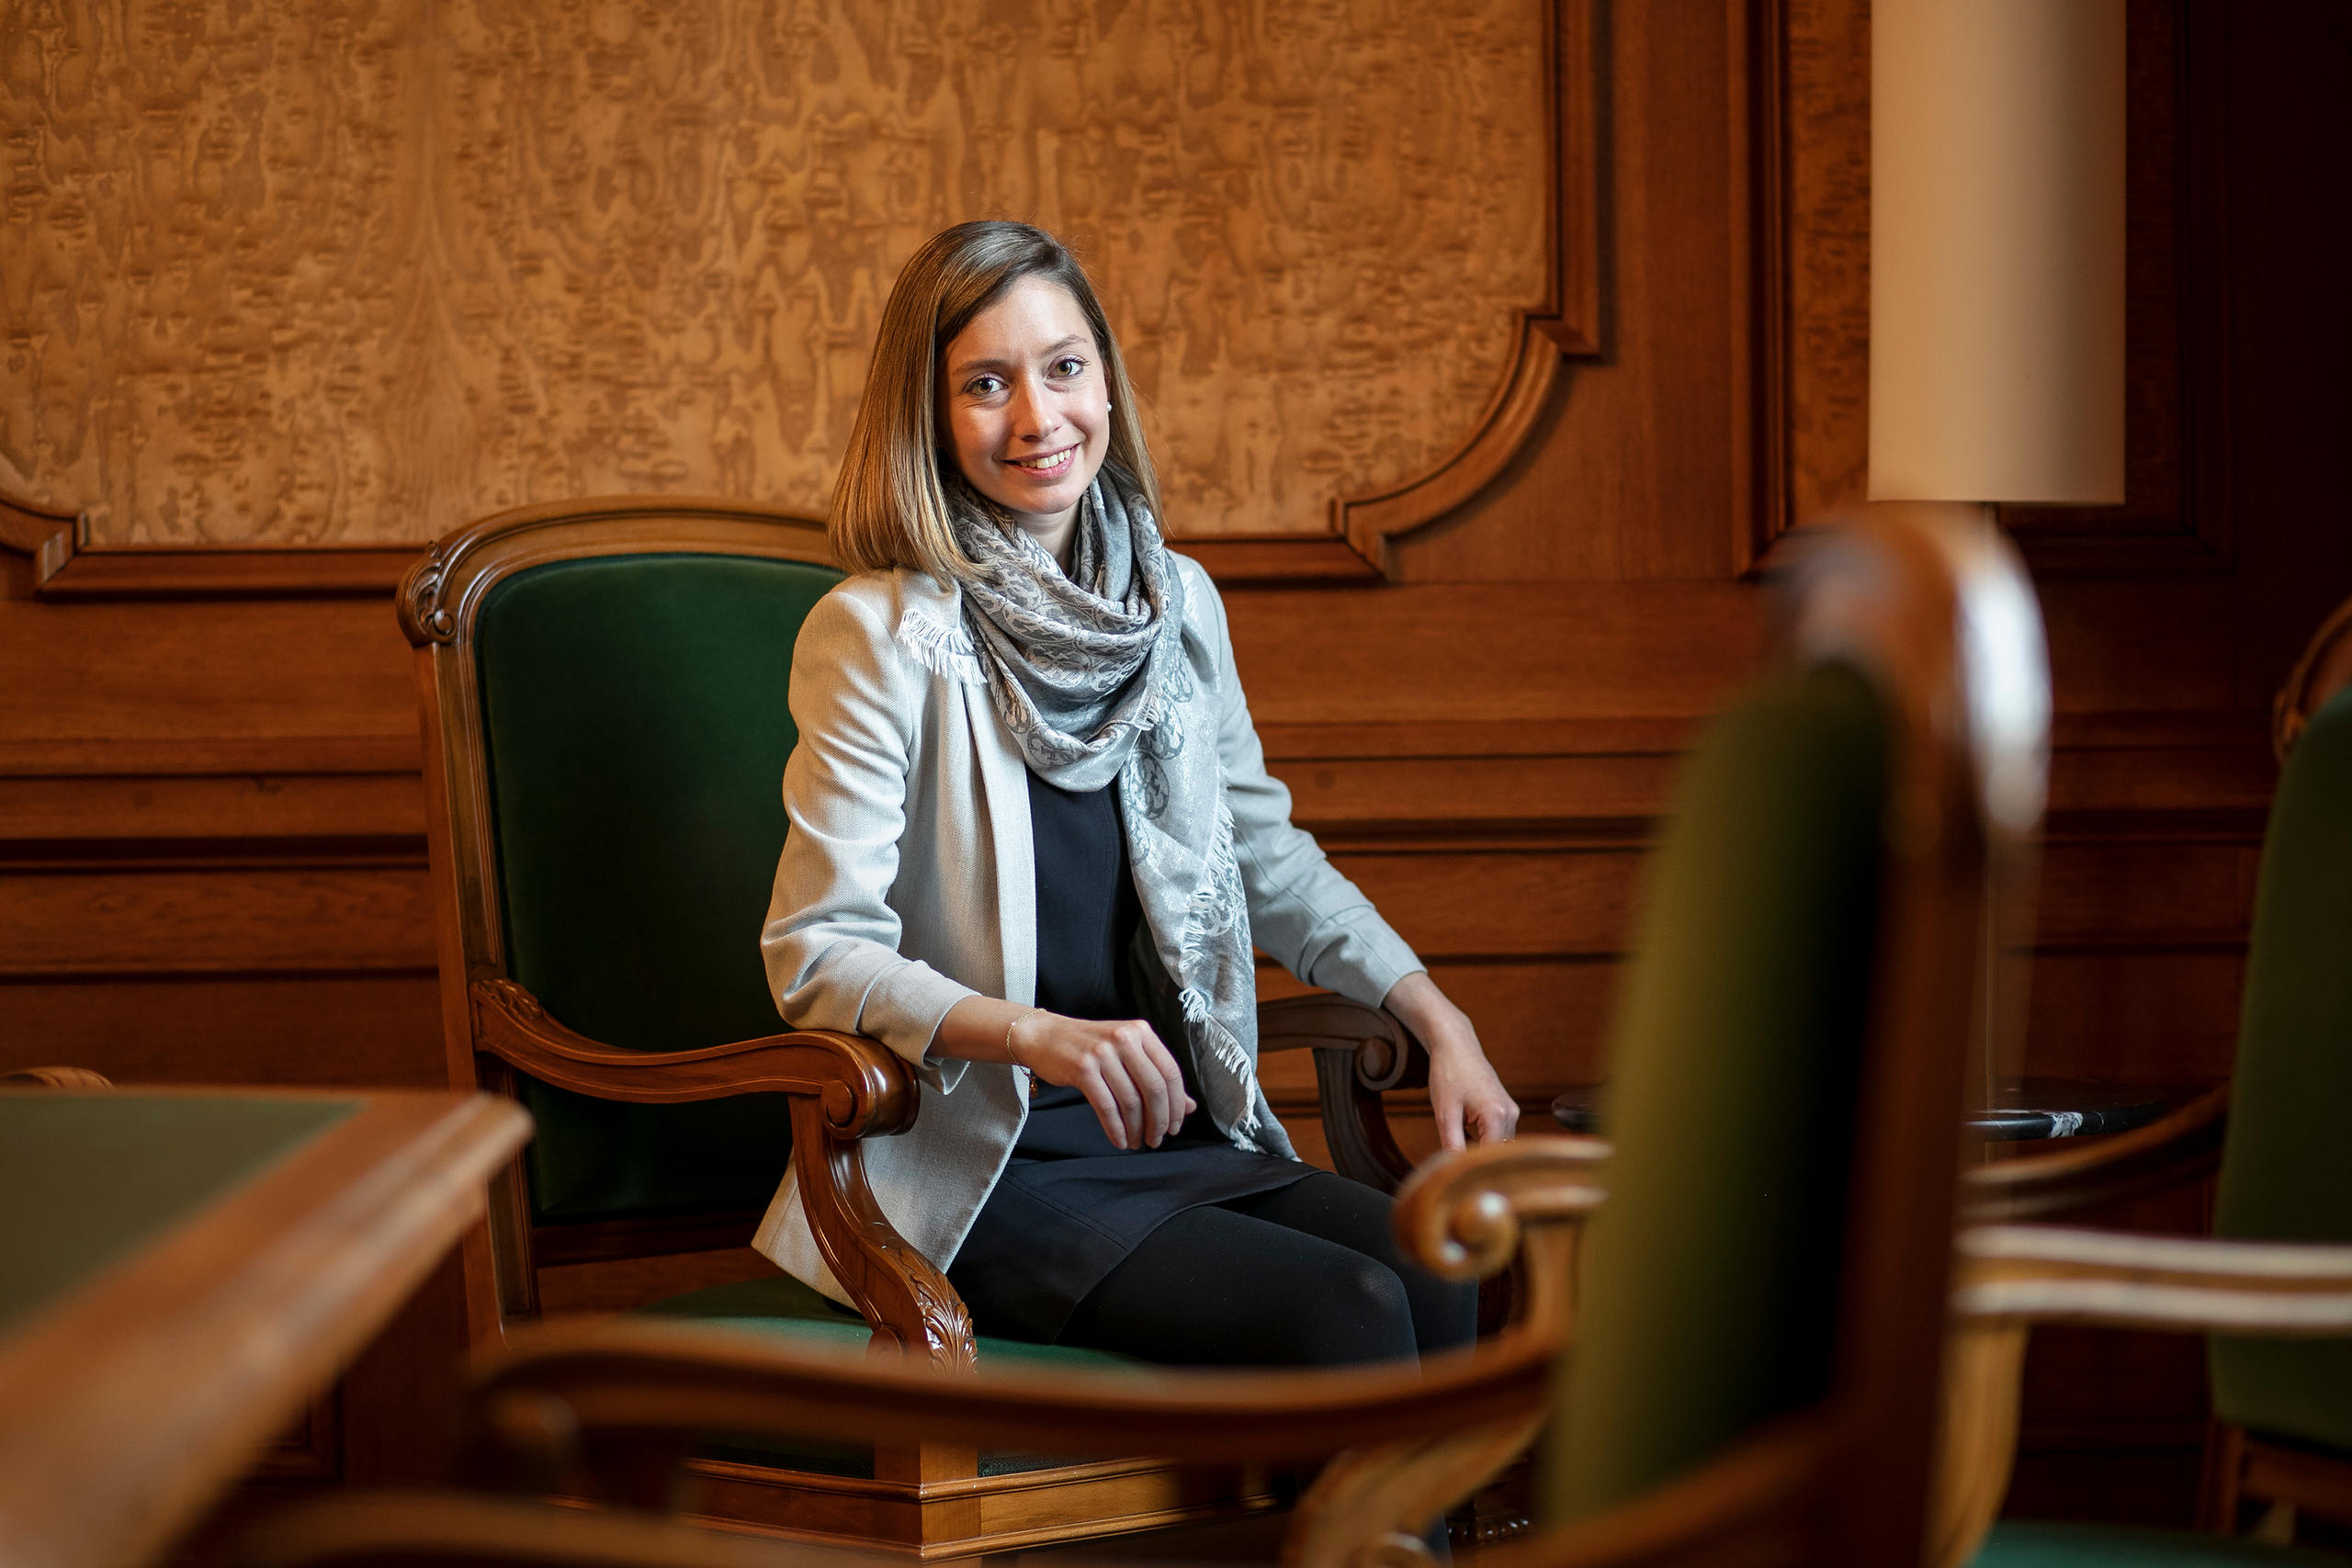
(891, 504)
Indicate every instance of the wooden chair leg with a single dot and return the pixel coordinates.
(2217, 1503)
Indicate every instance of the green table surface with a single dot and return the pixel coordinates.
(86, 1179)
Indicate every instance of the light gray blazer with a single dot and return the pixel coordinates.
(908, 883)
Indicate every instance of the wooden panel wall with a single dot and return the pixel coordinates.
(293, 274)
(209, 823)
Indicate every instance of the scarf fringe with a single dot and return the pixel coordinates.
(1232, 1058)
(946, 652)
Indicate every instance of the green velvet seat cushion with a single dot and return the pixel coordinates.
(2286, 1168)
(87, 1179)
(784, 1307)
(1712, 1274)
(635, 720)
(2018, 1544)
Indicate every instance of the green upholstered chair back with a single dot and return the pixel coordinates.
(1765, 1282)
(1712, 1272)
(635, 730)
(2287, 1165)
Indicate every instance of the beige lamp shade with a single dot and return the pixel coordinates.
(1996, 251)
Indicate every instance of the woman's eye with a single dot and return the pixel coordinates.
(984, 387)
(1068, 365)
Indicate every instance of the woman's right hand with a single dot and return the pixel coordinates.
(1128, 1076)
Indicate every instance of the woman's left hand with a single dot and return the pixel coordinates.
(1470, 1101)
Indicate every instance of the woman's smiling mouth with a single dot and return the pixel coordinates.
(1051, 464)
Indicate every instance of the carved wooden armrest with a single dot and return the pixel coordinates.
(867, 1088)
(1358, 1053)
(2125, 1279)
(2181, 1146)
(843, 1087)
(2008, 1278)
(535, 1413)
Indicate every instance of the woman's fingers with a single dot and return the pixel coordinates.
(1495, 1118)
(1180, 1104)
(1136, 1046)
(1097, 1089)
(1122, 1085)
(1448, 1109)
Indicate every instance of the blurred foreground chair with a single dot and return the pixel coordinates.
(603, 689)
(2282, 1402)
(1755, 1368)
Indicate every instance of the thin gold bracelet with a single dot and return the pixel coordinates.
(1009, 1028)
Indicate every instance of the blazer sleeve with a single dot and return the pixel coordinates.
(831, 939)
(1314, 921)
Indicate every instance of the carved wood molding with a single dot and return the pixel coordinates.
(48, 533)
(65, 565)
(1568, 325)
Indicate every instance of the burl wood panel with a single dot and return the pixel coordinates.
(294, 274)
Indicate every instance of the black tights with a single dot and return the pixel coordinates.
(1306, 1275)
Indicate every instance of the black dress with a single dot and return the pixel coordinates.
(1071, 1204)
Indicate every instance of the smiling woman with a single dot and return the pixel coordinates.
(1033, 843)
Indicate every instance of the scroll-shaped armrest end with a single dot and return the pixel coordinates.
(1360, 1051)
(1382, 1051)
(2181, 1147)
(1470, 1213)
(2127, 1280)
(865, 1088)
(1461, 1214)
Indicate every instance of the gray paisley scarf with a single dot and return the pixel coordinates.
(1102, 676)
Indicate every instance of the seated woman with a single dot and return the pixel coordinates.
(1032, 839)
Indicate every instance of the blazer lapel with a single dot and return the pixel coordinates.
(1005, 792)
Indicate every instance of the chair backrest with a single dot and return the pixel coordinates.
(606, 717)
(2286, 1163)
(1790, 1053)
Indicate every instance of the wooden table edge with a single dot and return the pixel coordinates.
(116, 1429)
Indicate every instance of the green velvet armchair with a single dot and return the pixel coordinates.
(1753, 1370)
(2273, 1285)
(604, 690)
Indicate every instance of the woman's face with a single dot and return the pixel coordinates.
(1027, 409)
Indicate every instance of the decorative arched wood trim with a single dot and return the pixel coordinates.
(1566, 325)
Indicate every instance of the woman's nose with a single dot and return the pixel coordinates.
(1033, 410)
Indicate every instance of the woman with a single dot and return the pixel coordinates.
(1032, 841)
